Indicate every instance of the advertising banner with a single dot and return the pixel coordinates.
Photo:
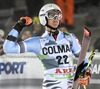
(27, 70)
(14, 66)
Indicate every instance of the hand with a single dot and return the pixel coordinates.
(84, 77)
(25, 21)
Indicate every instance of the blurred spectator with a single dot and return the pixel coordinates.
(25, 35)
(1, 41)
(38, 29)
(67, 7)
(1, 49)
(63, 27)
(97, 44)
(2, 33)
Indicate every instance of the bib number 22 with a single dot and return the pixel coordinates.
(62, 59)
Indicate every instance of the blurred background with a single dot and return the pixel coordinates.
(78, 14)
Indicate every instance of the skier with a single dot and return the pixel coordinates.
(54, 48)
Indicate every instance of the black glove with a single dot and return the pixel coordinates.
(24, 21)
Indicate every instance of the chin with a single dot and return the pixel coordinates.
(55, 26)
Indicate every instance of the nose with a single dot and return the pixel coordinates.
(56, 17)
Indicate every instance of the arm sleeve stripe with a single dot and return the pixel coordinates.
(11, 38)
(22, 47)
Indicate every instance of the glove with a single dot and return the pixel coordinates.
(24, 21)
(84, 77)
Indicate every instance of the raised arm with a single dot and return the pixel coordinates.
(10, 45)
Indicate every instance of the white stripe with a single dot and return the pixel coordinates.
(96, 56)
(25, 46)
(95, 81)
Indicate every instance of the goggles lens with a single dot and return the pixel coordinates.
(53, 13)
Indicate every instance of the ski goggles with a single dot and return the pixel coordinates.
(53, 13)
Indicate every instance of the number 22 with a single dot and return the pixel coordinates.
(64, 58)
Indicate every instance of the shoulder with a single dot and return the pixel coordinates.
(67, 35)
(71, 35)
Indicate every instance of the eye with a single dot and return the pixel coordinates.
(51, 15)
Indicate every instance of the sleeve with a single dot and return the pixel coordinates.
(76, 47)
(11, 46)
(30, 45)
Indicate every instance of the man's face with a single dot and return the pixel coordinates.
(53, 22)
(54, 17)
